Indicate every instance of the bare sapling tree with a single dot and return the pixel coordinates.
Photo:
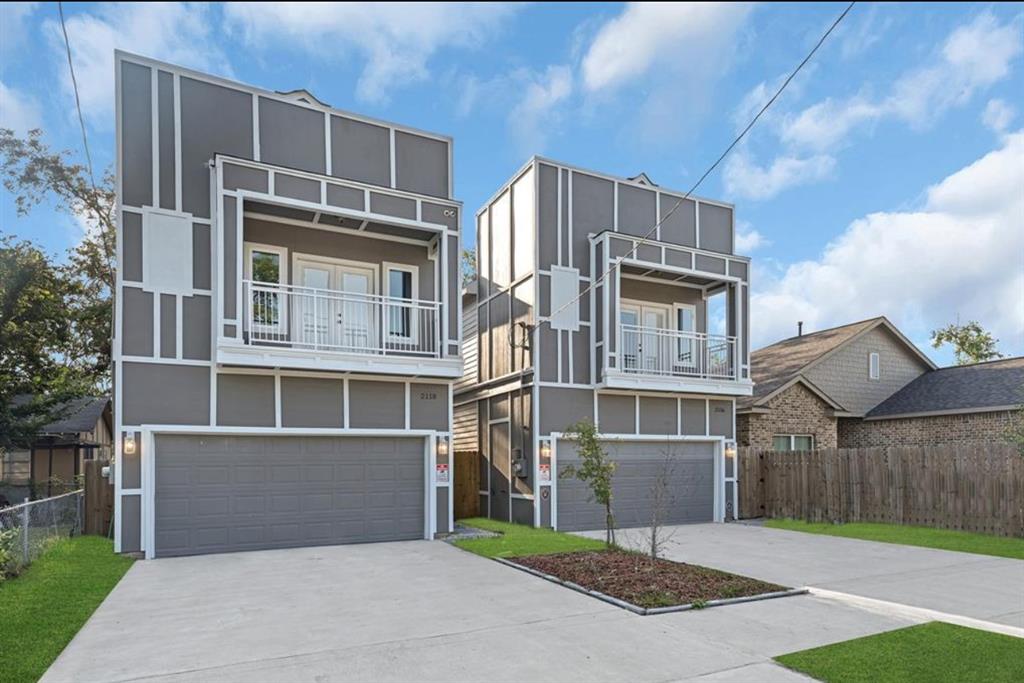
(662, 496)
(595, 469)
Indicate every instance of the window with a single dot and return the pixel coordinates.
(792, 442)
(401, 316)
(266, 267)
(874, 367)
(686, 321)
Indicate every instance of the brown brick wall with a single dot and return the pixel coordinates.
(925, 431)
(796, 410)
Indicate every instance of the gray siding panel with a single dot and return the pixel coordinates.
(312, 402)
(360, 151)
(421, 164)
(131, 466)
(710, 264)
(244, 178)
(165, 394)
(720, 419)
(616, 414)
(428, 406)
(690, 469)
(592, 212)
(168, 330)
(201, 256)
(245, 401)
(715, 228)
(131, 524)
(376, 405)
(230, 265)
(131, 245)
(214, 119)
(165, 82)
(694, 416)
(658, 415)
(637, 214)
(195, 334)
(435, 213)
(292, 136)
(222, 494)
(560, 408)
(464, 432)
(136, 135)
(679, 226)
(547, 211)
(297, 188)
(137, 322)
(346, 197)
(392, 206)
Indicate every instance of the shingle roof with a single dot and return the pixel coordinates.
(775, 365)
(964, 387)
(79, 415)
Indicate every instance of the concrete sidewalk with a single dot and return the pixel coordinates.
(975, 586)
(421, 611)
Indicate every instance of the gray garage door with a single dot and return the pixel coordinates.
(690, 472)
(224, 493)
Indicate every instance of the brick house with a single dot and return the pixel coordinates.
(805, 385)
(960, 404)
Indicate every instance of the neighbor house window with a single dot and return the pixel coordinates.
(265, 267)
(874, 368)
(401, 284)
(792, 442)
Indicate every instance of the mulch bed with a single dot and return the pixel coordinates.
(635, 579)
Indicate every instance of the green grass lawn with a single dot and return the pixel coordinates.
(929, 653)
(42, 609)
(519, 539)
(943, 539)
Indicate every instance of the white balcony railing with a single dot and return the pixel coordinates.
(672, 353)
(294, 317)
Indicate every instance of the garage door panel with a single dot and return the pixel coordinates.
(285, 492)
(691, 489)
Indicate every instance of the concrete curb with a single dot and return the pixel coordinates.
(649, 611)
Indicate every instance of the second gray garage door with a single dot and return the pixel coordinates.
(691, 490)
(227, 493)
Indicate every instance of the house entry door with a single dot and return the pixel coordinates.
(336, 308)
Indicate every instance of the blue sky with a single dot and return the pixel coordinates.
(888, 179)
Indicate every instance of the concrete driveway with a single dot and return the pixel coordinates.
(422, 611)
(974, 586)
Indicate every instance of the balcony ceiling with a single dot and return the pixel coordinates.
(332, 220)
(667, 276)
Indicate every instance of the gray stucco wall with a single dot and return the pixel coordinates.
(844, 375)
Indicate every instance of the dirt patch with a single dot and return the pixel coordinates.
(635, 579)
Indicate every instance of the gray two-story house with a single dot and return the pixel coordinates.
(287, 321)
(612, 300)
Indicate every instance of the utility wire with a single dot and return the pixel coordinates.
(711, 168)
(78, 102)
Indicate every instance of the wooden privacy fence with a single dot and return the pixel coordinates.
(467, 484)
(975, 487)
(99, 499)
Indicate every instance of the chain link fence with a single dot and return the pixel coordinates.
(29, 529)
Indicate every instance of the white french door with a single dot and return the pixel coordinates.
(337, 308)
(640, 338)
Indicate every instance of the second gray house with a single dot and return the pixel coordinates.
(577, 313)
(287, 325)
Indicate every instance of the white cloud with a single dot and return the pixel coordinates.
(867, 32)
(973, 57)
(396, 39)
(676, 35)
(13, 17)
(19, 111)
(998, 115)
(182, 33)
(744, 177)
(535, 115)
(959, 254)
(748, 239)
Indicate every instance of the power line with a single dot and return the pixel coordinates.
(711, 168)
(78, 102)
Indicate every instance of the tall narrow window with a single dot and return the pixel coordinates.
(874, 368)
(401, 289)
(265, 266)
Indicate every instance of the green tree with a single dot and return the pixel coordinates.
(468, 266)
(595, 469)
(37, 374)
(34, 174)
(971, 343)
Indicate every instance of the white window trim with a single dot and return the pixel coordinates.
(676, 308)
(282, 276)
(414, 272)
(874, 366)
(792, 439)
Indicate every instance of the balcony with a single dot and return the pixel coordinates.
(663, 353)
(307, 327)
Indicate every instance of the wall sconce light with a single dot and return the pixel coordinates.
(442, 447)
(129, 444)
(730, 450)
(545, 450)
